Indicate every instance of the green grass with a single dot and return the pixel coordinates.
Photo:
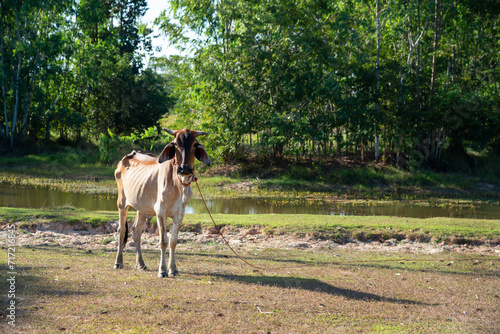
(25, 217)
(373, 181)
(374, 227)
(71, 170)
(60, 164)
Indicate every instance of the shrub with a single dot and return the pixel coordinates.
(110, 145)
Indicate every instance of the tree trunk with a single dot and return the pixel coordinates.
(6, 133)
(377, 70)
(417, 67)
(30, 90)
(384, 153)
(434, 47)
(16, 104)
(339, 142)
(408, 61)
(362, 150)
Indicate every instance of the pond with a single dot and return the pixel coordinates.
(42, 197)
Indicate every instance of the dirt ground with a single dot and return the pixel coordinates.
(66, 284)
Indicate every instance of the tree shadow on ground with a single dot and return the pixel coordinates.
(26, 286)
(314, 285)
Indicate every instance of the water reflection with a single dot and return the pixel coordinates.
(43, 197)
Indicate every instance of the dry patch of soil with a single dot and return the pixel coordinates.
(84, 236)
(247, 185)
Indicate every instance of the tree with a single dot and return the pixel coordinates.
(30, 43)
(74, 67)
(264, 68)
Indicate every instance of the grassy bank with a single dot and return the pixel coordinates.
(74, 290)
(25, 217)
(362, 228)
(72, 170)
(78, 171)
(337, 228)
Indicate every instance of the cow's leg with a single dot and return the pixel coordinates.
(122, 235)
(162, 231)
(172, 269)
(138, 226)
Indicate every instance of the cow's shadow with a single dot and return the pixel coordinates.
(312, 284)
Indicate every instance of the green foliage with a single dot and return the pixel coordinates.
(308, 78)
(111, 144)
(71, 69)
(278, 78)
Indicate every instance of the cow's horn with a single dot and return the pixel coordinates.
(200, 133)
(170, 132)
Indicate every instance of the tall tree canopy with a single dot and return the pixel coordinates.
(74, 67)
(404, 80)
(316, 77)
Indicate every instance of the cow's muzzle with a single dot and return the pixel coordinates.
(185, 170)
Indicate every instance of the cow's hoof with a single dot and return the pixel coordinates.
(118, 266)
(143, 268)
(163, 274)
(173, 272)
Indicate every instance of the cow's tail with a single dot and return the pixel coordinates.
(125, 238)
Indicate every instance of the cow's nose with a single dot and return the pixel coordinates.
(185, 169)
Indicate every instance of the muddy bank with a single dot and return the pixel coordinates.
(104, 236)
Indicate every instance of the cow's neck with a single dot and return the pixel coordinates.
(184, 184)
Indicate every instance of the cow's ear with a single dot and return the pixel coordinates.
(167, 153)
(202, 155)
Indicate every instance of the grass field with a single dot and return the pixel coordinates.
(75, 291)
(334, 290)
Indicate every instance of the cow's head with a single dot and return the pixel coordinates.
(185, 148)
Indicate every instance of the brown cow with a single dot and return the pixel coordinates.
(155, 186)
